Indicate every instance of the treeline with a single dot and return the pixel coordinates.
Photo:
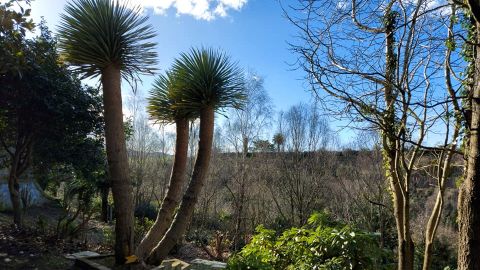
(405, 73)
(279, 168)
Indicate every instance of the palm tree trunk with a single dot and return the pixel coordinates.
(469, 197)
(173, 195)
(185, 213)
(122, 189)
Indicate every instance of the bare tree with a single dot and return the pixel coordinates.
(379, 63)
(147, 153)
(302, 171)
(246, 125)
(305, 129)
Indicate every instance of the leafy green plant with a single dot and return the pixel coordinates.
(78, 207)
(321, 244)
(108, 236)
(142, 225)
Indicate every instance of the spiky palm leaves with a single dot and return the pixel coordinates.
(94, 34)
(103, 37)
(205, 81)
(209, 79)
(164, 100)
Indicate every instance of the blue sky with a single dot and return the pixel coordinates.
(252, 32)
(255, 34)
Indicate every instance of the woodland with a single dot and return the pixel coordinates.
(202, 164)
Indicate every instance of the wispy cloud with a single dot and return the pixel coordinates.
(200, 9)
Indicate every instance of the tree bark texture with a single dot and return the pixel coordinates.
(190, 198)
(469, 197)
(173, 195)
(398, 184)
(122, 189)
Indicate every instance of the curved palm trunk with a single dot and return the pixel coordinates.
(122, 189)
(172, 198)
(187, 206)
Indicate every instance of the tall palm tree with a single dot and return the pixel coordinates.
(162, 108)
(105, 38)
(210, 81)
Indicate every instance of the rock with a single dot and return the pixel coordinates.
(3, 254)
(82, 254)
(199, 264)
(174, 264)
(7, 260)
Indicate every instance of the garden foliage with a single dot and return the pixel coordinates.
(321, 244)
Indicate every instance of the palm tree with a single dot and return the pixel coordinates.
(104, 38)
(278, 140)
(209, 82)
(162, 108)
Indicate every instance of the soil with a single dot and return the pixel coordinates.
(35, 246)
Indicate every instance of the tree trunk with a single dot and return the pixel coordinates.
(436, 214)
(104, 193)
(173, 195)
(239, 214)
(469, 197)
(187, 206)
(399, 188)
(122, 189)
(431, 229)
(245, 146)
(474, 6)
(14, 190)
(19, 163)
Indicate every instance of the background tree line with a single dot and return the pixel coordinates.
(404, 74)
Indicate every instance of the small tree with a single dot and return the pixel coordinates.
(163, 108)
(208, 81)
(43, 106)
(106, 38)
(376, 63)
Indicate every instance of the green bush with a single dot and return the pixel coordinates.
(321, 244)
(142, 226)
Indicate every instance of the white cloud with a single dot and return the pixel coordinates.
(220, 11)
(200, 9)
(235, 4)
(342, 5)
(432, 7)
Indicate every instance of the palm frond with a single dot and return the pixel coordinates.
(208, 78)
(162, 101)
(94, 34)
